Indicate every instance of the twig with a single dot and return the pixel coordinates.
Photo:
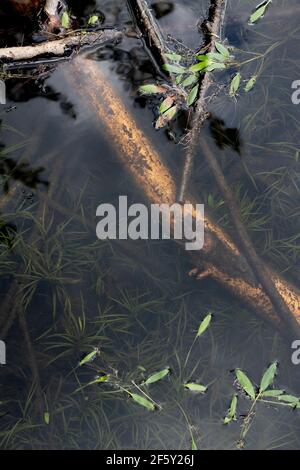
(213, 27)
(59, 47)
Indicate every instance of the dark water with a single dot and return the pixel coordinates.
(134, 300)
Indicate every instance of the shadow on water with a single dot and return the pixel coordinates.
(134, 300)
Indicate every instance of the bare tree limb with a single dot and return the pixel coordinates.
(59, 47)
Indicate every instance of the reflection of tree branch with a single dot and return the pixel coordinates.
(10, 170)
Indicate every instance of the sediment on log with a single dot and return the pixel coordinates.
(220, 257)
(59, 47)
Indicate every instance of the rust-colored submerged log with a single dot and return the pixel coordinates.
(220, 258)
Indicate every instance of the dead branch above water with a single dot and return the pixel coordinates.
(59, 47)
(150, 31)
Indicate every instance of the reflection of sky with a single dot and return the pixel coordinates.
(183, 20)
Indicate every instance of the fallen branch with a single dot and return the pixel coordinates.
(220, 257)
(149, 30)
(212, 33)
(59, 47)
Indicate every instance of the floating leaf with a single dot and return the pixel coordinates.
(231, 415)
(174, 57)
(223, 50)
(272, 393)
(250, 84)
(193, 95)
(235, 84)
(204, 325)
(65, 20)
(89, 357)
(47, 417)
(142, 401)
(293, 401)
(166, 117)
(166, 104)
(157, 376)
(177, 69)
(190, 80)
(259, 11)
(195, 387)
(268, 377)
(93, 20)
(151, 89)
(245, 383)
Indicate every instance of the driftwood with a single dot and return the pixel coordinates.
(220, 258)
(59, 47)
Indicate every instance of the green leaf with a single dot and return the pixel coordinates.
(204, 325)
(231, 415)
(235, 84)
(157, 376)
(196, 387)
(215, 66)
(166, 117)
(245, 383)
(174, 57)
(193, 95)
(259, 11)
(250, 84)
(47, 417)
(211, 201)
(268, 377)
(190, 80)
(142, 401)
(93, 20)
(272, 393)
(166, 104)
(65, 20)
(194, 445)
(223, 50)
(215, 57)
(98, 380)
(294, 401)
(177, 69)
(151, 89)
(89, 357)
(198, 67)
(179, 79)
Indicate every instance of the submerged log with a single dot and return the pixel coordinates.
(220, 258)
